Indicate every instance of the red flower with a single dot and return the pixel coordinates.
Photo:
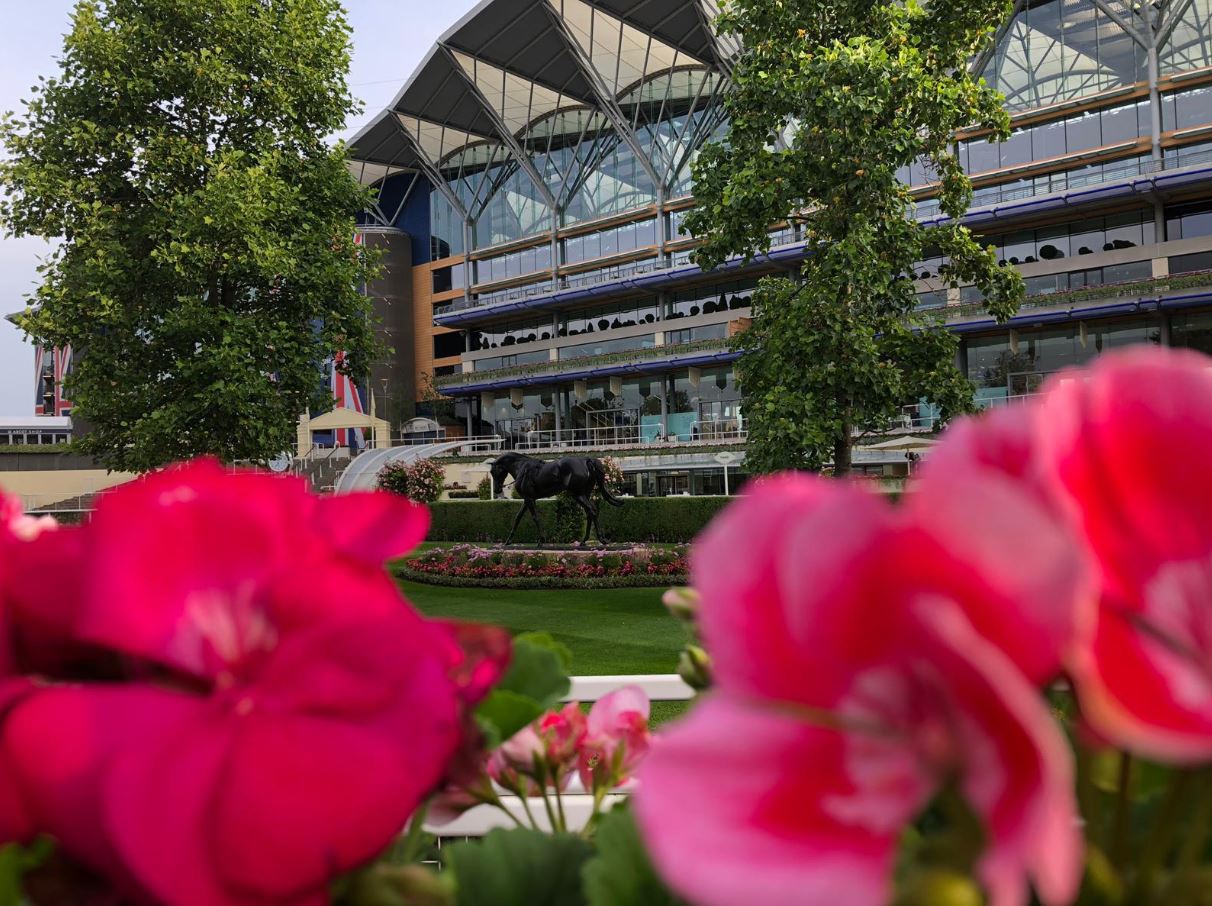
(291, 709)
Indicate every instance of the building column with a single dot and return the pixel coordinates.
(471, 406)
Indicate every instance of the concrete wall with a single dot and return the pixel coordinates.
(45, 489)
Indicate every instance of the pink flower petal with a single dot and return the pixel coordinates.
(1021, 577)
(62, 783)
(780, 573)
(1015, 767)
(749, 805)
(371, 527)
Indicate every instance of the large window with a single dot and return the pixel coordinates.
(1068, 240)
(611, 317)
(695, 334)
(1095, 129)
(605, 347)
(1017, 363)
(1189, 221)
(614, 241)
(515, 264)
(447, 344)
(511, 333)
(706, 300)
(1184, 109)
(1192, 332)
(448, 278)
(1060, 50)
(508, 361)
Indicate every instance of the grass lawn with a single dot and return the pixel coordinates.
(608, 630)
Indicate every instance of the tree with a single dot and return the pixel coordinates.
(207, 267)
(829, 100)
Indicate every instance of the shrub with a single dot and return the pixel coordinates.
(614, 474)
(484, 488)
(639, 520)
(422, 481)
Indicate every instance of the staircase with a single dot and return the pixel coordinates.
(322, 473)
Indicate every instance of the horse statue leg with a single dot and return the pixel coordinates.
(583, 503)
(534, 513)
(516, 520)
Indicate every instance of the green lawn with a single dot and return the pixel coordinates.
(609, 630)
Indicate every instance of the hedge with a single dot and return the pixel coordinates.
(641, 519)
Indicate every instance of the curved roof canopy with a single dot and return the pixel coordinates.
(514, 72)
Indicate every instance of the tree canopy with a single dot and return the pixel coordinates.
(207, 268)
(829, 100)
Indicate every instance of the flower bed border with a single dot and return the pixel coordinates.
(402, 571)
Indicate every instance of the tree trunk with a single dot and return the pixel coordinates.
(843, 447)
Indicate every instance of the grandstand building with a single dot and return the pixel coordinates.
(538, 163)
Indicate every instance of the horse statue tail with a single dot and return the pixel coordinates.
(599, 480)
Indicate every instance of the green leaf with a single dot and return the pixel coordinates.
(621, 873)
(504, 713)
(520, 867)
(546, 640)
(538, 669)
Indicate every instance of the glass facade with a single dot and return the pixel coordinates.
(1189, 221)
(1185, 109)
(1095, 129)
(1061, 50)
(711, 299)
(510, 334)
(514, 264)
(612, 241)
(1016, 363)
(1068, 240)
(606, 346)
(610, 317)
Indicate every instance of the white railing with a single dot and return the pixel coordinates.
(630, 435)
(578, 804)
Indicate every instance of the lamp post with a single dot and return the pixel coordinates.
(386, 409)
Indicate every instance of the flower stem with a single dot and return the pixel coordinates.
(1196, 840)
(551, 817)
(1118, 843)
(1087, 795)
(1157, 847)
(526, 808)
(560, 806)
(416, 832)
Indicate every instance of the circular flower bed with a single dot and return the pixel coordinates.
(472, 566)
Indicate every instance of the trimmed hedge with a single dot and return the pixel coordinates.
(641, 519)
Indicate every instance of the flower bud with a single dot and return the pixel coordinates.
(940, 887)
(400, 885)
(694, 667)
(683, 603)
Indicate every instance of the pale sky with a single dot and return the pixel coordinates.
(390, 38)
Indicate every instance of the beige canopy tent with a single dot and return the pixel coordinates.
(341, 418)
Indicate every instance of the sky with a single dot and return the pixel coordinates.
(390, 39)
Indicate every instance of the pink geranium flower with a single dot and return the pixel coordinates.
(289, 709)
(1121, 451)
(867, 657)
(615, 739)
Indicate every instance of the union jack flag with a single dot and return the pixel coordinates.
(51, 368)
(347, 394)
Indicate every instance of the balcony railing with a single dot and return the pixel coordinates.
(728, 430)
(1107, 291)
(631, 356)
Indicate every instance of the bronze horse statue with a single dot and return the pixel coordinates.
(535, 479)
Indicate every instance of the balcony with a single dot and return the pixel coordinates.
(631, 361)
(1165, 291)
